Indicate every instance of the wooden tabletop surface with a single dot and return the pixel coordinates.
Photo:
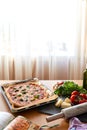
(33, 114)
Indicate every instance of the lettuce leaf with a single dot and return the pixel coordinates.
(68, 87)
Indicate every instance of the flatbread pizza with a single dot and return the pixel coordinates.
(25, 94)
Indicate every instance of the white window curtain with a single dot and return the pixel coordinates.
(46, 39)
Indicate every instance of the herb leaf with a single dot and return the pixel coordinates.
(68, 87)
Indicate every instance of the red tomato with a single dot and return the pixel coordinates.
(82, 101)
(74, 99)
(75, 93)
(77, 97)
(83, 95)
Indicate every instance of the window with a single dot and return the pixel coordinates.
(44, 26)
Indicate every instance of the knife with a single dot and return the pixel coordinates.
(73, 128)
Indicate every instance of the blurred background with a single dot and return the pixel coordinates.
(46, 39)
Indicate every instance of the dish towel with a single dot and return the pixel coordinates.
(76, 124)
(5, 118)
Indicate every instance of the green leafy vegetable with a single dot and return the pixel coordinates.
(68, 87)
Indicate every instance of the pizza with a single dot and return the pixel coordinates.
(26, 94)
(21, 123)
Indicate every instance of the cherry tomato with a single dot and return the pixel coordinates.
(75, 93)
(77, 97)
(83, 95)
(82, 101)
(74, 99)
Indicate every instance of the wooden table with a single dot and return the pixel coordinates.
(33, 114)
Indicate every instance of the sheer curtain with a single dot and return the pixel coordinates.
(46, 39)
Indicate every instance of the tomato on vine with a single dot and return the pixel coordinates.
(77, 97)
(74, 99)
(75, 93)
(83, 95)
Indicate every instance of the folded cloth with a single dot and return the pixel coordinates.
(76, 124)
(5, 118)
